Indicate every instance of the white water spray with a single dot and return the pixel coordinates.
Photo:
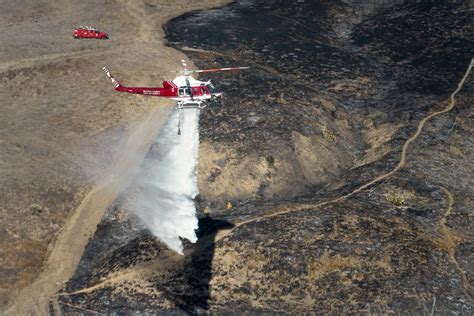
(167, 189)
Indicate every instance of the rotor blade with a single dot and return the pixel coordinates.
(185, 67)
(218, 69)
(187, 71)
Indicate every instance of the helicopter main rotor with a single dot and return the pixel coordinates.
(187, 72)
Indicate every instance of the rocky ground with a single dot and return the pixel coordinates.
(335, 92)
(333, 101)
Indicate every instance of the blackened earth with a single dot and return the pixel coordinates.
(332, 95)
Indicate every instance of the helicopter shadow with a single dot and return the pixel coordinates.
(189, 288)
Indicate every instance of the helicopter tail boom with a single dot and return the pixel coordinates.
(155, 91)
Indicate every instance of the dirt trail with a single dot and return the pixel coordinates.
(35, 61)
(133, 273)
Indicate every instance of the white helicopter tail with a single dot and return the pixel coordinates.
(116, 84)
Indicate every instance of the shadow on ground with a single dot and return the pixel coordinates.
(191, 293)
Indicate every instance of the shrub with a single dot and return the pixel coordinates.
(36, 209)
(329, 135)
(395, 199)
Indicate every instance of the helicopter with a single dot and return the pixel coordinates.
(187, 91)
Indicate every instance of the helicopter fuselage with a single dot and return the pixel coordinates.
(178, 89)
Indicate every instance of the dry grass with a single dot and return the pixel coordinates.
(395, 199)
(319, 267)
(399, 196)
(329, 135)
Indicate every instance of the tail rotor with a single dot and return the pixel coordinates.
(114, 82)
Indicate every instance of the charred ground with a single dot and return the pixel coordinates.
(332, 97)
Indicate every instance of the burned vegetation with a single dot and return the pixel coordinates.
(333, 95)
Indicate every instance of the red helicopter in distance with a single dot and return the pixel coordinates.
(187, 91)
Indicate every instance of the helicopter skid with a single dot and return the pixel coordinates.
(191, 105)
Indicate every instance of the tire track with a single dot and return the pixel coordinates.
(51, 58)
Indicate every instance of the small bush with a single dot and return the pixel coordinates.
(270, 161)
(329, 135)
(36, 209)
(395, 199)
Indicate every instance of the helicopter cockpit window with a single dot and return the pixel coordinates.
(184, 92)
(211, 88)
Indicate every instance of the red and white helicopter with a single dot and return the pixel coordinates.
(187, 91)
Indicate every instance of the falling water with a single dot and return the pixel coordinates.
(169, 184)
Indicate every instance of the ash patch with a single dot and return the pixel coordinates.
(436, 44)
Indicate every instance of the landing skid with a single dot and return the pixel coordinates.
(191, 105)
